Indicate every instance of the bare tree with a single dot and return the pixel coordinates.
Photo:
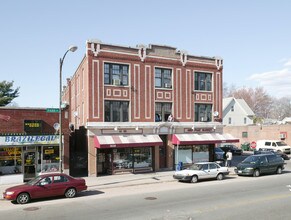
(281, 108)
(257, 99)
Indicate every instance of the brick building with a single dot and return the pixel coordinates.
(143, 108)
(29, 143)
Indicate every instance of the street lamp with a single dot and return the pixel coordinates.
(72, 49)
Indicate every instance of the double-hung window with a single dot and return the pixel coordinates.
(163, 78)
(203, 112)
(116, 111)
(203, 81)
(163, 110)
(116, 74)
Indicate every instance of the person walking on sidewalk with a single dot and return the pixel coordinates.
(228, 159)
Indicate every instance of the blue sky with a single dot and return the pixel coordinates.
(253, 37)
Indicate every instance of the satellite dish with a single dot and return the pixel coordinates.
(56, 126)
(215, 114)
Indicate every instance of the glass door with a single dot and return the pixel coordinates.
(29, 164)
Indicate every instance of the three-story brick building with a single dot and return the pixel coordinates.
(143, 108)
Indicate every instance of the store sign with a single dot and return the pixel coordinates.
(33, 126)
(29, 140)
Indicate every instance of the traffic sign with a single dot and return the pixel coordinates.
(253, 145)
(52, 110)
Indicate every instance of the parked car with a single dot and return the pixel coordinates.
(219, 156)
(255, 165)
(276, 145)
(234, 149)
(46, 185)
(202, 170)
(271, 151)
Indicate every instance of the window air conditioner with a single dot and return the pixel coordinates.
(116, 82)
(168, 85)
(282, 136)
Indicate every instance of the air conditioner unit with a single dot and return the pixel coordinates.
(168, 85)
(282, 136)
(116, 82)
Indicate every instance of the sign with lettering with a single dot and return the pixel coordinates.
(29, 140)
(52, 110)
(33, 126)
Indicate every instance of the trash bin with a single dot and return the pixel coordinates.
(245, 146)
(179, 166)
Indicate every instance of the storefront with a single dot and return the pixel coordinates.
(193, 148)
(126, 153)
(25, 156)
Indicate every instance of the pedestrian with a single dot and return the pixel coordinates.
(228, 158)
(170, 118)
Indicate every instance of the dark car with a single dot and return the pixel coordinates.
(230, 147)
(255, 165)
(271, 151)
(219, 156)
(47, 185)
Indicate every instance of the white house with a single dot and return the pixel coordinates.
(236, 112)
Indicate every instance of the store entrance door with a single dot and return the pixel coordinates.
(29, 164)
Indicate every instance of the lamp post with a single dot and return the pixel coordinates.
(72, 49)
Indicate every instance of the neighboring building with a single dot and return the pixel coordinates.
(286, 120)
(120, 99)
(29, 143)
(236, 112)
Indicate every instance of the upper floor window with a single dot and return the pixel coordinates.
(203, 112)
(116, 111)
(229, 120)
(232, 108)
(245, 120)
(116, 74)
(203, 81)
(163, 78)
(163, 111)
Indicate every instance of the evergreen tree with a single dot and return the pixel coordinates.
(7, 93)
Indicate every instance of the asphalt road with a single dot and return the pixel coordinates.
(265, 197)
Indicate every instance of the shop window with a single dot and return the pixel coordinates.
(244, 134)
(200, 153)
(203, 112)
(163, 110)
(10, 160)
(116, 74)
(50, 159)
(184, 155)
(163, 78)
(142, 157)
(122, 158)
(116, 111)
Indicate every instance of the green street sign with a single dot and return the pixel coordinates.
(52, 110)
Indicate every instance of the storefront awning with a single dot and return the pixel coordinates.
(111, 141)
(208, 138)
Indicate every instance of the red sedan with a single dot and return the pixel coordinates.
(46, 185)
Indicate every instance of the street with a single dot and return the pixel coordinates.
(265, 197)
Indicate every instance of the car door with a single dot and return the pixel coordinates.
(213, 170)
(204, 174)
(43, 188)
(59, 185)
(264, 164)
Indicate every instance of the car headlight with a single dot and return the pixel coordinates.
(9, 193)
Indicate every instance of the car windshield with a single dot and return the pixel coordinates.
(195, 167)
(281, 143)
(218, 149)
(251, 160)
(33, 181)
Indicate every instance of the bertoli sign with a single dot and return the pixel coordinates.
(29, 139)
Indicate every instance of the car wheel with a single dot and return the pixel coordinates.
(23, 198)
(220, 176)
(70, 193)
(256, 173)
(279, 170)
(194, 179)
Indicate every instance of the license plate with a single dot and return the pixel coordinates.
(239, 171)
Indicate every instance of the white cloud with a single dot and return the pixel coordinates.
(277, 83)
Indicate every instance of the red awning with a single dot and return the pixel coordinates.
(207, 138)
(111, 141)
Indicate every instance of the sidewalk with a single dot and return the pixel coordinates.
(122, 180)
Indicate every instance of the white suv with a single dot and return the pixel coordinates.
(276, 145)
